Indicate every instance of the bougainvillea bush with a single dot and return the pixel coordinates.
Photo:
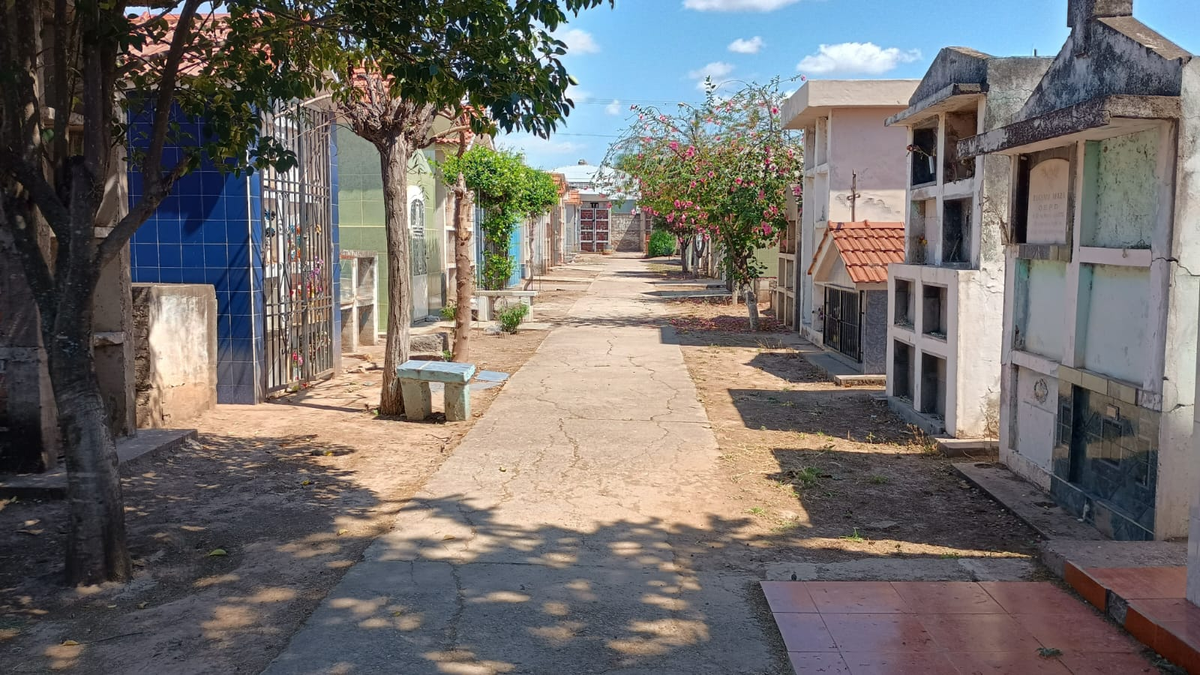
(719, 171)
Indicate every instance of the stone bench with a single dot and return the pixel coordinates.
(415, 377)
(486, 301)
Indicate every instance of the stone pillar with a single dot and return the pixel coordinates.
(1187, 215)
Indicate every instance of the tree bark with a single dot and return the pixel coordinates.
(685, 244)
(394, 151)
(464, 275)
(751, 298)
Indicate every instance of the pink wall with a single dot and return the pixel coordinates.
(859, 142)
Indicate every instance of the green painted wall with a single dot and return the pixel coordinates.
(361, 216)
(1120, 191)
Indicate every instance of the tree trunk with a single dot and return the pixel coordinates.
(394, 152)
(685, 243)
(96, 546)
(464, 275)
(751, 298)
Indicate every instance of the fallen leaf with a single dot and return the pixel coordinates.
(217, 553)
(32, 533)
(503, 470)
(142, 605)
(342, 531)
(449, 537)
(306, 482)
(70, 643)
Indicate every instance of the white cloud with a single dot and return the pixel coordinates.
(737, 5)
(855, 57)
(717, 70)
(613, 108)
(578, 41)
(744, 46)
(542, 152)
(578, 95)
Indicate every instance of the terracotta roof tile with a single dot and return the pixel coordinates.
(866, 248)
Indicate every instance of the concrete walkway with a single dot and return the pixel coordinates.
(549, 542)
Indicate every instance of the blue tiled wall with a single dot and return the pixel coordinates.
(210, 231)
(336, 257)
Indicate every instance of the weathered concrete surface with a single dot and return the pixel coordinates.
(546, 543)
(175, 352)
(1026, 501)
(929, 569)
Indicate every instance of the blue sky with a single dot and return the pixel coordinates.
(653, 51)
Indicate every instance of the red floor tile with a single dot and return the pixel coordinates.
(1005, 663)
(1177, 650)
(1094, 635)
(879, 633)
(787, 596)
(1142, 582)
(804, 633)
(1087, 587)
(1035, 597)
(1107, 664)
(818, 663)
(946, 597)
(856, 597)
(979, 633)
(1161, 610)
(929, 663)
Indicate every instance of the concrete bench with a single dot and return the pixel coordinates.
(415, 377)
(486, 301)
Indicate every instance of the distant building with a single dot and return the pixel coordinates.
(602, 219)
(855, 174)
(947, 298)
(1101, 292)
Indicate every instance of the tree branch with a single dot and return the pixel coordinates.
(124, 230)
(43, 194)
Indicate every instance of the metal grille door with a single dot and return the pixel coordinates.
(297, 253)
(843, 330)
(593, 227)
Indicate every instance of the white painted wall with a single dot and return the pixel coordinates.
(1117, 314)
(1044, 321)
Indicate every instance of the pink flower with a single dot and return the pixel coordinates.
(767, 229)
(674, 145)
(774, 111)
(738, 180)
(692, 184)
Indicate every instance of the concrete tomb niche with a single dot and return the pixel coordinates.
(1046, 222)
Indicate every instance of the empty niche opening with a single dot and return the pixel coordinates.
(933, 311)
(902, 371)
(933, 385)
(923, 154)
(956, 232)
(959, 125)
(903, 303)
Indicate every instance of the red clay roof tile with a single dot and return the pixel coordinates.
(866, 248)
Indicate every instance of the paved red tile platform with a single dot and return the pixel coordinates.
(1150, 603)
(946, 628)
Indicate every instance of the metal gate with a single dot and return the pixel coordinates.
(843, 330)
(593, 227)
(297, 252)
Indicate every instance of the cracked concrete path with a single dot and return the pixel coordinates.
(549, 542)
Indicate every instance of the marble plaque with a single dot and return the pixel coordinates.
(1046, 221)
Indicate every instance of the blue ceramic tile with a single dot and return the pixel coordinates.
(226, 373)
(215, 276)
(237, 231)
(213, 183)
(243, 374)
(216, 255)
(222, 302)
(242, 395)
(188, 185)
(192, 231)
(192, 255)
(224, 349)
(239, 304)
(214, 231)
(242, 349)
(223, 327)
(193, 275)
(170, 255)
(168, 232)
(171, 275)
(236, 208)
(240, 325)
(239, 256)
(238, 280)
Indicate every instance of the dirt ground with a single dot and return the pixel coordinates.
(821, 472)
(238, 536)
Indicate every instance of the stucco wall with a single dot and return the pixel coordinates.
(1120, 191)
(175, 352)
(1035, 422)
(861, 144)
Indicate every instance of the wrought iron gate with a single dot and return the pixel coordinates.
(843, 330)
(297, 252)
